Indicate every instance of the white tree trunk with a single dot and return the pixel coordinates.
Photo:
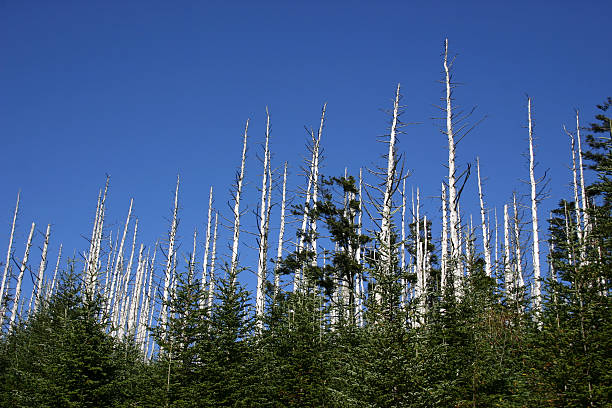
(315, 183)
(192, 258)
(452, 183)
(508, 278)
(211, 282)
(517, 246)
(59, 256)
(144, 311)
(582, 188)
(118, 269)
(485, 232)
(496, 243)
(171, 255)
(263, 244)
(419, 258)
(387, 204)
(41, 270)
(234, 262)
(125, 298)
(135, 303)
(22, 269)
(359, 284)
(534, 217)
(205, 276)
(281, 233)
(3, 287)
(403, 299)
(575, 185)
(444, 243)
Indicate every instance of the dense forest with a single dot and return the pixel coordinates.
(364, 306)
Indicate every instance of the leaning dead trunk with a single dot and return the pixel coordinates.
(59, 257)
(390, 181)
(8, 261)
(237, 214)
(22, 269)
(41, 270)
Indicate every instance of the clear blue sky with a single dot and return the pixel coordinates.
(145, 90)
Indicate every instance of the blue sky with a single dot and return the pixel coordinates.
(144, 91)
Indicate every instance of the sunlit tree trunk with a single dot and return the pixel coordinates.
(237, 214)
(3, 287)
(113, 298)
(22, 269)
(517, 246)
(211, 282)
(168, 275)
(444, 243)
(455, 249)
(263, 239)
(508, 279)
(125, 298)
(485, 232)
(281, 232)
(205, 277)
(534, 217)
(41, 270)
(53, 282)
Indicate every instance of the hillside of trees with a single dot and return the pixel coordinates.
(364, 306)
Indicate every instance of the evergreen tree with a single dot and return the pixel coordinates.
(62, 356)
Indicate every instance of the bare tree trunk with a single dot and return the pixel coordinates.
(125, 299)
(211, 282)
(3, 288)
(403, 298)
(279, 251)
(41, 270)
(508, 278)
(234, 262)
(22, 269)
(263, 244)
(582, 188)
(517, 246)
(205, 276)
(485, 232)
(118, 269)
(444, 244)
(171, 255)
(192, 257)
(534, 217)
(315, 183)
(575, 185)
(452, 183)
(59, 256)
(135, 304)
(496, 244)
(387, 204)
(359, 283)
(93, 263)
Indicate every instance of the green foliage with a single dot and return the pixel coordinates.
(63, 357)
(476, 349)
